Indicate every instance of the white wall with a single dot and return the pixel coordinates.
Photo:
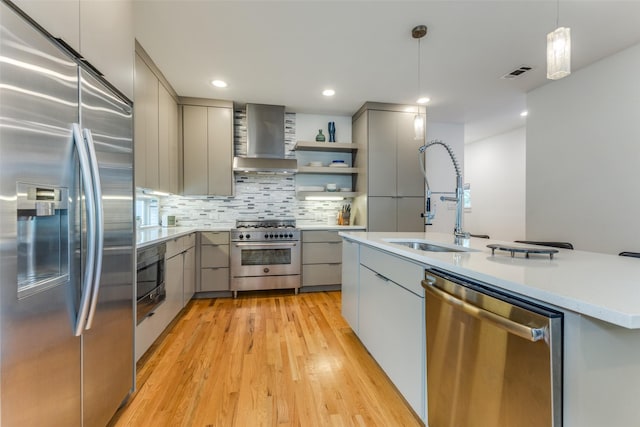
(495, 169)
(583, 157)
(307, 126)
(440, 172)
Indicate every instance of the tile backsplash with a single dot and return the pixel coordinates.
(257, 196)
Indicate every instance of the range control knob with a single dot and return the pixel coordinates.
(266, 235)
(241, 236)
(248, 236)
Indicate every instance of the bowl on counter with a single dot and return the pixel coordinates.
(332, 187)
(346, 189)
(316, 164)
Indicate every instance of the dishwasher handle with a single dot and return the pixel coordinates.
(515, 328)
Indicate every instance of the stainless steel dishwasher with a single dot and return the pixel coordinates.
(493, 360)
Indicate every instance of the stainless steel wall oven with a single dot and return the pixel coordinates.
(150, 280)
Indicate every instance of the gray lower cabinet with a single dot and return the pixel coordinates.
(214, 261)
(321, 258)
(189, 287)
(179, 285)
(350, 282)
(391, 321)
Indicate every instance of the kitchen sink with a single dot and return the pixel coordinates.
(424, 246)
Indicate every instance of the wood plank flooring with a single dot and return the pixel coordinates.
(263, 359)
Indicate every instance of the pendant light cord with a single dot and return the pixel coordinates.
(419, 79)
(557, 13)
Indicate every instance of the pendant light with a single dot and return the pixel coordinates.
(419, 32)
(558, 50)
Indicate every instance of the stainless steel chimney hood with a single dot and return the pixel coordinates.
(265, 142)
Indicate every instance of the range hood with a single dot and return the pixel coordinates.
(265, 142)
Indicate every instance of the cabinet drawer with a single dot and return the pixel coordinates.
(214, 237)
(321, 274)
(322, 253)
(189, 241)
(321, 236)
(174, 247)
(214, 256)
(404, 273)
(214, 279)
(180, 244)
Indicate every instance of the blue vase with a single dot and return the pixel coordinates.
(332, 131)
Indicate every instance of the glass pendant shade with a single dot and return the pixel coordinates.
(559, 53)
(418, 126)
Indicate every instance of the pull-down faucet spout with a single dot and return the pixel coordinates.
(459, 199)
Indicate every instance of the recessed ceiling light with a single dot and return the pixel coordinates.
(328, 92)
(423, 100)
(219, 83)
(524, 114)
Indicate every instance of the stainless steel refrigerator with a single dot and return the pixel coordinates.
(66, 235)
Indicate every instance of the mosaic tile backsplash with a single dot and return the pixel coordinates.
(257, 196)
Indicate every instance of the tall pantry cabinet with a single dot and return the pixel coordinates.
(390, 184)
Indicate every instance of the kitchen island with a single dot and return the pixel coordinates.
(599, 295)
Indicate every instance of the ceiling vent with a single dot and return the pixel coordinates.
(518, 72)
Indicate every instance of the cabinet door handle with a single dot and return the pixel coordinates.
(380, 276)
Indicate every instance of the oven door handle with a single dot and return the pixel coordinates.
(269, 244)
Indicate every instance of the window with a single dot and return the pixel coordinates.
(147, 210)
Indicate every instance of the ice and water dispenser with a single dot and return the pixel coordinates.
(43, 233)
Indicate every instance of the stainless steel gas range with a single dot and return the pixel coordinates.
(265, 255)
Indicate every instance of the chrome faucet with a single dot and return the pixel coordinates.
(459, 198)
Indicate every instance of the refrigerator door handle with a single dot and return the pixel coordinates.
(89, 195)
(99, 216)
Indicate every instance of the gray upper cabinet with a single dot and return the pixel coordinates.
(168, 151)
(157, 151)
(409, 178)
(107, 40)
(383, 128)
(393, 155)
(101, 31)
(390, 174)
(146, 126)
(207, 133)
(196, 160)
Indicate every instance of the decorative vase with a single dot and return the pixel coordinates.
(332, 131)
(320, 136)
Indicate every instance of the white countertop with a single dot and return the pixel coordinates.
(605, 287)
(330, 227)
(150, 235)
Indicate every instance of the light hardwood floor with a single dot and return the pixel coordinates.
(263, 359)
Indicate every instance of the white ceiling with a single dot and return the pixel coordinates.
(287, 52)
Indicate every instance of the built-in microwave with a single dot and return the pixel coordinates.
(149, 280)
